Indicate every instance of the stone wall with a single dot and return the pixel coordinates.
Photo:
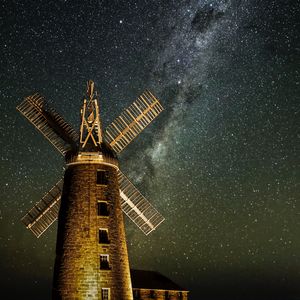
(77, 273)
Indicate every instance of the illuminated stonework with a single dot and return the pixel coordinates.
(85, 265)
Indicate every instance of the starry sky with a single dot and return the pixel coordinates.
(221, 163)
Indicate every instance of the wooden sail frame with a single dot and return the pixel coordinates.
(55, 129)
(132, 121)
(45, 212)
(137, 208)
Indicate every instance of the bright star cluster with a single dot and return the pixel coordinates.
(220, 163)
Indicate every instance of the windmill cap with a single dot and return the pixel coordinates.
(103, 155)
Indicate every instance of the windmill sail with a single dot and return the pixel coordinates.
(60, 134)
(132, 121)
(137, 207)
(45, 212)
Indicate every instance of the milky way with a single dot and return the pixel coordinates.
(219, 163)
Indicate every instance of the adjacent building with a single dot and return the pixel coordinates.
(149, 285)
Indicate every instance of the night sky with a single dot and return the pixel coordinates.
(221, 163)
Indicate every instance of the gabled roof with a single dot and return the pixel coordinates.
(152, 280)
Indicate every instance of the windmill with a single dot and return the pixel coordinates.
(91, 253)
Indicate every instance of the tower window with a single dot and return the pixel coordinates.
(102, 177)
(103, 236)
(102, 207)
(136, 294)
(152, 294)
(104, 262)
(105, 294)
(167, 297)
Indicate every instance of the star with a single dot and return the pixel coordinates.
(220, 162)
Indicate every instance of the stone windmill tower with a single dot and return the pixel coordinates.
(91, 254)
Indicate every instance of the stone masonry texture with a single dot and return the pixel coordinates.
(77, 273)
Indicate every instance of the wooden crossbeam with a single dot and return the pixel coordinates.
(44, 212)
(137, 207)
(90, 129)
(56, 130)
(132, 121)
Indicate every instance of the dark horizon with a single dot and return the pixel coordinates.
(208, 289)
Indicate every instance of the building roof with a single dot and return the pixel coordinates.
(152, 280)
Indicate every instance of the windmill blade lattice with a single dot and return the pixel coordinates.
(137, 207)
(60, 134)
(119, 134)
(45, 212)
(132, 121)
